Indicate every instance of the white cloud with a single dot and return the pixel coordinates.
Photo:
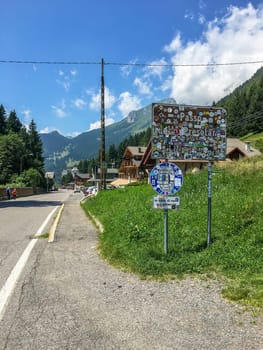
(60, 109)
(201, 19)
(73, 72)
(156, 68)
(143, 86)
(74, 133)
(189, 15)
(127, 69)
(202, 4)
(167, 84)
(66, 79)
(27, 113)
(145, 82)
(109, 100)
(79, 103)
(64, 83)
(174, 45)
(97, 124)
(237, 37)
(59, 112)
(48, 129)
(128, 103)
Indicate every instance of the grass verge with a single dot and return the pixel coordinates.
(133, 232)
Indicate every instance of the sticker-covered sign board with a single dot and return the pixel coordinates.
(188, 132)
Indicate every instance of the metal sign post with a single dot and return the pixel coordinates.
(209, 203)
(165, 211)
(166, 179)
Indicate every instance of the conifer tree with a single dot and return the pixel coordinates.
(35, 146)
(2, 120)
(13, 123)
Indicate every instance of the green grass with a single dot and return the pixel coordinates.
(255, 139)
(133, 231)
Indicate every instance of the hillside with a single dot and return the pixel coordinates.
(245, 107)
(54, 142)
(60, 151)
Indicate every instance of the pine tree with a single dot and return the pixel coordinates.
(112, 154)
(13, 123)
(2, 120)
(35, 146)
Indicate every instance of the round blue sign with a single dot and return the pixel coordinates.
(166, 178)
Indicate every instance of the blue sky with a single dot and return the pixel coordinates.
(169, 36)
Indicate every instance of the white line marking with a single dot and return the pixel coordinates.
(10, 283)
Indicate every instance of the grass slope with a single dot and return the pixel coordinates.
(133, 231)
(255, 139)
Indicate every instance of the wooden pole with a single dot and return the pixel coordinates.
(102, 135)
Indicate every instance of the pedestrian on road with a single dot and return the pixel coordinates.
(14, 193)
(8, 195)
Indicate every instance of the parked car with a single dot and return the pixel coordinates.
(90, 191)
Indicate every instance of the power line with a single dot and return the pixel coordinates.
(129, 64)
(247, 119)
(184, 65)
(49, 62)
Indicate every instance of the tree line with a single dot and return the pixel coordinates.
(245, 107)
(21, 152)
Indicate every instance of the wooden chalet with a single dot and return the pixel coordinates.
(130, 165)
(82, 179)
(237, 149)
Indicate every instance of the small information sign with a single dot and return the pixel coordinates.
(104, 165)
(166, 202)
(166, 178)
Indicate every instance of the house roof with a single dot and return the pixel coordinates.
(122, 182)
(110, 170)
(233, 144)
(136, 150)
(83, 176)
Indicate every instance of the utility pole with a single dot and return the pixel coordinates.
(102, 134)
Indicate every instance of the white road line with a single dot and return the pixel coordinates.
(10, 283)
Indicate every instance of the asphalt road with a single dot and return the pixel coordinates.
(69, 298)
(21, 219)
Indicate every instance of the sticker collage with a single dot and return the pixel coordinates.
(188, 132)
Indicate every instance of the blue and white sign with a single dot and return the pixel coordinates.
(166, 178)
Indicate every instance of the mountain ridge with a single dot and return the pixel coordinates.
(60, 152)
